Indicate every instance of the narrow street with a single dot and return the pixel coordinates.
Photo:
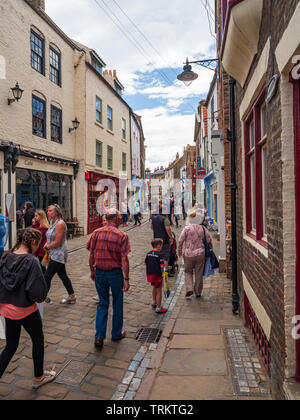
(121, 369)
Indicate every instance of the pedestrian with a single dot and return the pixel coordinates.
(58, 253)
(191, 246)
(104, 223)
(109, 248)
(154, 266)
(40, 222)
(22, 285)
(171, 204)
(19, 219)
(124, 213)
(137, 213)
(28, 213)
(160, 225)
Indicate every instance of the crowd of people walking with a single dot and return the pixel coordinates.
(25, 281)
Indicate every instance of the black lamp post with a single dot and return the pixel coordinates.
(17, 92)
(188, 76)
(75, 125)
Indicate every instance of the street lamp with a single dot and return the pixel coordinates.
(17, 92)
(75, 125)
(188, 76)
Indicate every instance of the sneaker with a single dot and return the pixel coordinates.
(189, 294)
(99, 343)
(153, 304)
(161, 310)
(48, 376)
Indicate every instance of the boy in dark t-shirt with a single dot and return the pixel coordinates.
(154, 265)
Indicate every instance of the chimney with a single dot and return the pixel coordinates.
(39, 4)
(115, 74)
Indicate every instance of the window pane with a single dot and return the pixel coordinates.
(56, 124)
(38, 117)
(99, 154)
(253, 192)
(98, 110)
(37, 52)
(54, 61)
(124, 162)
(109, 118)
(109, 158)
(123, 129)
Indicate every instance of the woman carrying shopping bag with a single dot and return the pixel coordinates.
(40, 222)
(191, 246)
(22, 285)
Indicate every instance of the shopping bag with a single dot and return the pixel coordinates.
(166, 284)
(45, 260)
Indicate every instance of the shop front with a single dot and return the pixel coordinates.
(110, 197)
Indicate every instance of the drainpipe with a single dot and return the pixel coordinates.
(233, 186)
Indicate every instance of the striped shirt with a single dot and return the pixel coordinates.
(108, 245)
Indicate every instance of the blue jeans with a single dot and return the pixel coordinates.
(104, 280)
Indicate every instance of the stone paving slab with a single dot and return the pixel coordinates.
(190, 388)
(201, 342)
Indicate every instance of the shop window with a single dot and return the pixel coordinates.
(99, 153)
(38, 117)
(98, 110)
(109, 118)
(56, 124)
(37, 52)
(109, 158)
(256, 172)
(55, 66)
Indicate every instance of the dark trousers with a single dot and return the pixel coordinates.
(137, 219)
(33, 325)
(55, 267)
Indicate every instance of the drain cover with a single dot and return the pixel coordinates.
(74, 372)
(148, 335)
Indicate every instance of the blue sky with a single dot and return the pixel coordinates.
(147, 43)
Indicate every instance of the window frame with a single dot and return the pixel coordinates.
(98, 155)
(32, 51)
(108, 158)
(101, 112)
(51, 66)
(110, 120)
(36, 98)
(256, 152)
(51, 123)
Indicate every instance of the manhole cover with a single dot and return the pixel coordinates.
(74, 372)
(148, 335)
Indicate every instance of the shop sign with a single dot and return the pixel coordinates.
(28, 163)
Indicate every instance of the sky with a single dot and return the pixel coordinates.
(147, 43)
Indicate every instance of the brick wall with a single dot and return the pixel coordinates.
(266, 274)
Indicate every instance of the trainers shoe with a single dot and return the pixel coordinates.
(153, 304)
(189, 294)
(161, 310)
(99, 343)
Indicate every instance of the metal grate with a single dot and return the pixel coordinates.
(148, 335)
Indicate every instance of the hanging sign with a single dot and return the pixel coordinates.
(201, 173)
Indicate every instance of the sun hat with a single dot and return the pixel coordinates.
(195, 218)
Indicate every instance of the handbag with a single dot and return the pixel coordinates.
(211, 261)
(45, 260)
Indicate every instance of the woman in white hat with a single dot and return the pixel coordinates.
(192, 239)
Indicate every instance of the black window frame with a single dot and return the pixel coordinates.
(36, 98)
(53, 50)
(52, 124)
(32, 51)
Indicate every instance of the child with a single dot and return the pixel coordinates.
(154, 266)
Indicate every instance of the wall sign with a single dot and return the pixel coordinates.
(272, 88)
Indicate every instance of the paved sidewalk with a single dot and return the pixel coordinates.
(205, 353)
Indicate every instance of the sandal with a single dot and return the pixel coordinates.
(46, 378)
(68, 301)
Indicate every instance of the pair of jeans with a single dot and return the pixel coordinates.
(125, 218)
(55, 267)
(33, 325)
(113, 279)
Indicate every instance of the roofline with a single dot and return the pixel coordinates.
(93, 52)
(231, 4)
(53, 25)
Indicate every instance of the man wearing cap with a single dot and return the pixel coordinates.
(109, 248)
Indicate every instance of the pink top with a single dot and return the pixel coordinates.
(192, 237)
(15, 313)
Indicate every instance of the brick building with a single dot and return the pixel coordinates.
(260, 50)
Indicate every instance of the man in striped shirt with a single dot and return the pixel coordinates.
(109, 248)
